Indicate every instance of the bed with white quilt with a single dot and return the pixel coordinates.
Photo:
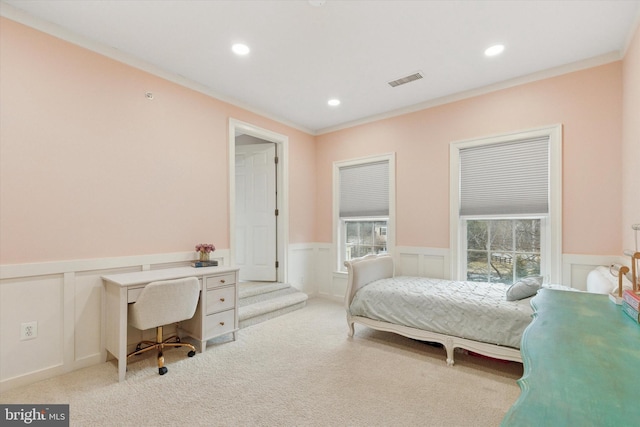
(485, 318)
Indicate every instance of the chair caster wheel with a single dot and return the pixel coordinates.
(162, 370)
(191, 353)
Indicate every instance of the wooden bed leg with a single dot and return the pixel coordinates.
(351, 328)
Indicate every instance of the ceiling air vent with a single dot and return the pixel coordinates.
(407, 79)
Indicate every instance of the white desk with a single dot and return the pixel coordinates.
(216, 314)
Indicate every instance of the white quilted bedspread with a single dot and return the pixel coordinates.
(477, 311)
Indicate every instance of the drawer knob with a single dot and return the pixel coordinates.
(221, 299)
(221, 280)
(221, 323)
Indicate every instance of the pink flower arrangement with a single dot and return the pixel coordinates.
(205, 248)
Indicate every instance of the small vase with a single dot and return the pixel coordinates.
(204, 256)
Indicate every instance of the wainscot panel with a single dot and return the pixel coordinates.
(65, 298)
(576, 268)
(301, 268)
(25, 300)
(435, 262)
(424, 262)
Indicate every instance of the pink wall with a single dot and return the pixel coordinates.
(90, 168)
(631, 142)
(589, 105)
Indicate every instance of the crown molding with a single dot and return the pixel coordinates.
(541, 75)
(15, 14)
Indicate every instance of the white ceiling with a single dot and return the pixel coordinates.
(302, 55)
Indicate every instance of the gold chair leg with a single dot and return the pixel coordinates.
(150, 346)
(178, 344)
(159, 345)
(161, 368)
(159, 334)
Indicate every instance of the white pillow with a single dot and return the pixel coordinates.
(524, 288)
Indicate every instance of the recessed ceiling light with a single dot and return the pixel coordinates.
(240, 49)
(334, 102)
(494, 50)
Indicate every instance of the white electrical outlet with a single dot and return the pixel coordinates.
(28, 331)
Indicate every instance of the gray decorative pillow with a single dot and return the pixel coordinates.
(524, 288)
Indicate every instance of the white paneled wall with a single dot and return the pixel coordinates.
(575, 268)
(302, 268)
(435, 262)
(65, 298)
(423, 262)
(30, 299)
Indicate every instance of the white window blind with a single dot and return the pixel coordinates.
(364, 190)
(505, 178)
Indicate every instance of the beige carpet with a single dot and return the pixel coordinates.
(299, 369)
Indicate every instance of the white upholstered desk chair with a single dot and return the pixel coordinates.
(162, 303)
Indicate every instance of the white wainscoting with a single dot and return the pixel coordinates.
(576, 268)
(302, 268)
(434, 262)
(409, 261)
(65, 298)
(422, 262)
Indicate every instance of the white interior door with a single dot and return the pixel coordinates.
(255, 226)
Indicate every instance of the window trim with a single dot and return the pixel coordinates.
(552, 240)
(336, 223)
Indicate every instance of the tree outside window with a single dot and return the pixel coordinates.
(503, 250)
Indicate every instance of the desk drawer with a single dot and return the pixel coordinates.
(221, 299)
(221, 280)
(134, 293)
(219, 324)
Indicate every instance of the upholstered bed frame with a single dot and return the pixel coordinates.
(373, 267)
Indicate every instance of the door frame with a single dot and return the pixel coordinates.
(282, 189)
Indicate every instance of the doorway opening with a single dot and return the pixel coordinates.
(258, 215)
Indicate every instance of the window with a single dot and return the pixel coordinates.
(364, 236)
(505, 207)
(502, 250)
(363, 207)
